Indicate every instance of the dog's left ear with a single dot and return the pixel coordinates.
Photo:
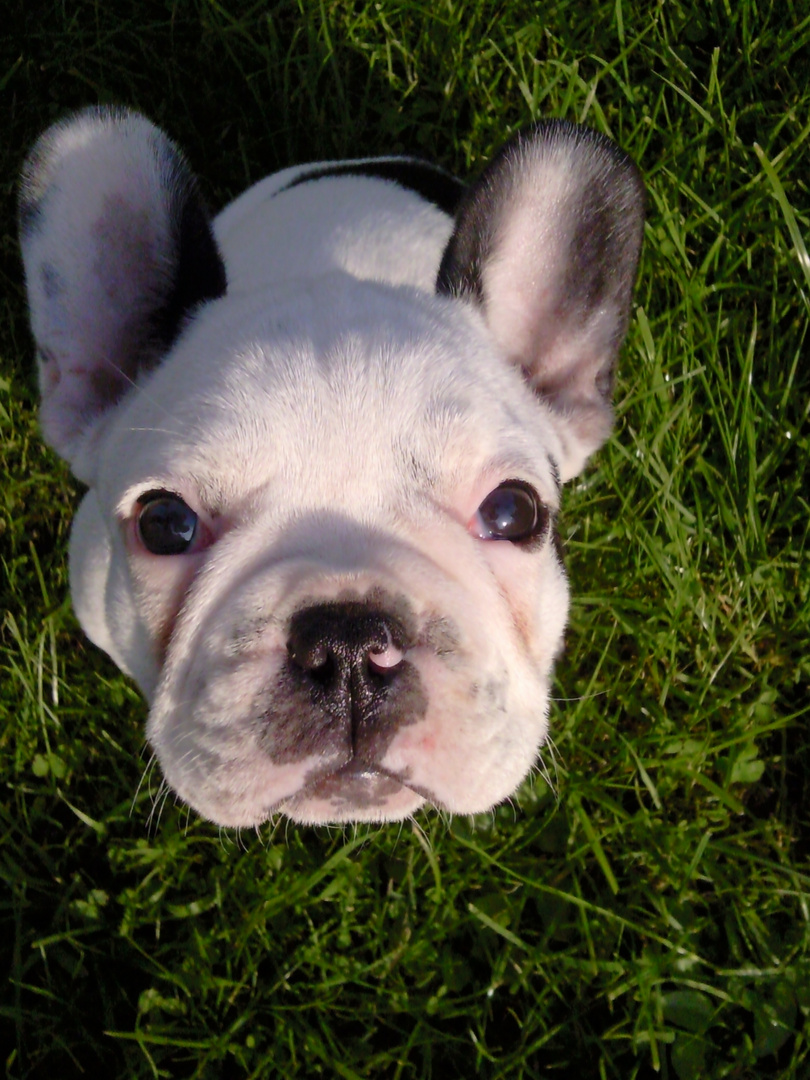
(118, 252)
(547, 242)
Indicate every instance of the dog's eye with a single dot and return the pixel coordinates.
(165, 524)
(513, 511)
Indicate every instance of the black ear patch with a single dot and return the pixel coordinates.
(547, 244)
(593, 210)
(199, 272)
(118, 251)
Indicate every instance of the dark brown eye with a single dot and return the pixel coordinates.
(513, 511)
(166, 526)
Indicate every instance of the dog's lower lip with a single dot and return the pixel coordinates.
(357, 782)
(363, 779)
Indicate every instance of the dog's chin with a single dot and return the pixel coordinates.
(355, 792)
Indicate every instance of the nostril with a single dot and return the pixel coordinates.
(385, 659)
(346, 652)
(309, 657)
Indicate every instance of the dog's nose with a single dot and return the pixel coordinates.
(348, 654)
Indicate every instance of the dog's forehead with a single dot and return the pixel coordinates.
(332, 383)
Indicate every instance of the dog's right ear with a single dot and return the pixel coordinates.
(547, 244)
(118, 249)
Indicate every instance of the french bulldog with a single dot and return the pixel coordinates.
(324, 436)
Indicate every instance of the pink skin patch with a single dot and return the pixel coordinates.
(387, 658)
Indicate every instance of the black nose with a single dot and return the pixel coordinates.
(348, 655)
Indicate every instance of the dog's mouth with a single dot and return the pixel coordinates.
(355, 791)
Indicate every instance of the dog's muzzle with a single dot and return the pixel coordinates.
(349, 687)
(346, 687)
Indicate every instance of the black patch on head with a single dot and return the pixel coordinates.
(431, 183)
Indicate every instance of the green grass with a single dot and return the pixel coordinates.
(652, 915)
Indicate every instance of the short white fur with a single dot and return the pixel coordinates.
(334, 421)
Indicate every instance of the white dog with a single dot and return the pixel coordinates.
(324, 437)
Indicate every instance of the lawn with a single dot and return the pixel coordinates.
(647, 912)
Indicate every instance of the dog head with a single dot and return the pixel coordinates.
(324, 438)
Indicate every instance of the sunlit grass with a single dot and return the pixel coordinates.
(651, 914)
